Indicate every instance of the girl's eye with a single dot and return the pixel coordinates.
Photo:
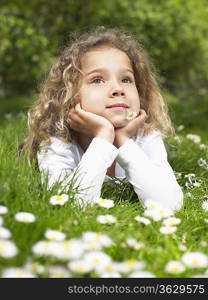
(96, 80)
(100, 80)
(126, 80)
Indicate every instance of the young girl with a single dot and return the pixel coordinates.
(101, 113)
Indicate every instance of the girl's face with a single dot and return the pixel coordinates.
(108, 80)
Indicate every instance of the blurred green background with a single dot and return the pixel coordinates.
(174, 33)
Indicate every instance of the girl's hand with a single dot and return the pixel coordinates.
(90, 124)
(124, 133)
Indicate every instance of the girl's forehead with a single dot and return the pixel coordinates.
(104, 55)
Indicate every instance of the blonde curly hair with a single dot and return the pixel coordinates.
(48, 115)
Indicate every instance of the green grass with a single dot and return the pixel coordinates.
(21, 190)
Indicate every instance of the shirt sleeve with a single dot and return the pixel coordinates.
(147, 169)
(60, 164)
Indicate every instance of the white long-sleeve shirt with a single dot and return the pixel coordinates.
(141, 161)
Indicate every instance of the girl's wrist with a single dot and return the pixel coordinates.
(119, 141)
(106, 135)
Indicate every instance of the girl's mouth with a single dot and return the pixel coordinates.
(118, 106)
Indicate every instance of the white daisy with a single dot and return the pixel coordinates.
(110, 268)
(131, 115)
(180, 127)
(189, 195)
(59, 199)
(8, 116)
(98, 260)
(68, 249)
(131, 264)
(183, 238)
(200, 276)
(110, 275)
(197, 183)
(102, 239)
(34, 267)
(55, 235)
(92, 246)
(203, 146)
(58, 271)
(174, 267)
(167, 229)
(158, 213)
(4, 233)
(7, 249)
(80, 266)
(164, 212)
(153, 214)
(25, 217)
(205, 205)
(3, 210)
(177, 139)
(156, 210)
(106, 203)
(195, 260)
(106, 219)
(182, 247)
(204, 244)
(178, 175)
(131, 242)
(202, 163)
(171, 221)
(194, 138)
(44, 248)
(142, 220)
(15, 272)
(141, 274)
(190, 175)
(150, 204)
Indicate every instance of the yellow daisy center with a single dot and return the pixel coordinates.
(96, 260)
(131, 262)
(175, 269)
(195, 261)
(79, 269)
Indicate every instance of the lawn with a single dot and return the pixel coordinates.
(66, 241)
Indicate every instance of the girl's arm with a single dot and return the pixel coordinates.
(61, 161)
(147, 169)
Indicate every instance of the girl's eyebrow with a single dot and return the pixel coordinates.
(106, 71)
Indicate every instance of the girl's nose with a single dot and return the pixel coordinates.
(117, 91)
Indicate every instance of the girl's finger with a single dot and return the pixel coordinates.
(74, 112)
(142, 114)
(77, 106)
(78, 109)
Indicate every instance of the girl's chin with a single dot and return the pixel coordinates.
(119, 123)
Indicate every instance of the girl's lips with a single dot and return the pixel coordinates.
(117, 107)
(123, 105)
